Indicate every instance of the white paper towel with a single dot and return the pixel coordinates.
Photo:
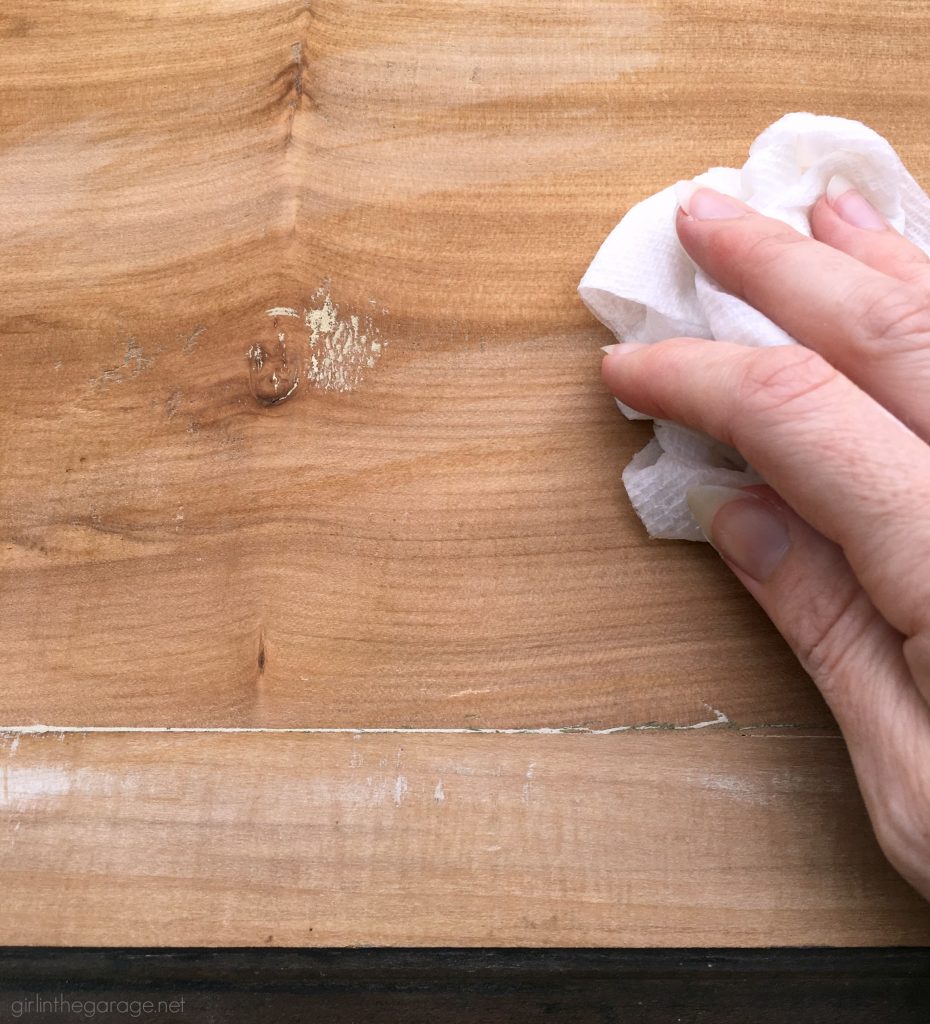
(644, 287)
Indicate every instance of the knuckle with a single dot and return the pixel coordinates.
(899, 315)
(781, 377)
(748, 247)
(827, 632)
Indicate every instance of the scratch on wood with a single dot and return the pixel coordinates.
(191, 342)
(135, 361)
(527, 786)
(734, 787)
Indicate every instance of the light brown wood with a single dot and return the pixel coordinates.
(436, 540)
(643, 838)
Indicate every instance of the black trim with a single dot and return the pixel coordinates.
(516, 986)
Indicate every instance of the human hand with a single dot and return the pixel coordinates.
(838, 554)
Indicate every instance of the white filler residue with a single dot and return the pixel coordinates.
(341, 348)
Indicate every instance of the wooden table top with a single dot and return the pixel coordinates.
(389, 661)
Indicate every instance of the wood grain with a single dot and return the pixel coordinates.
(448, 543)
(436, 540)
(637, 839)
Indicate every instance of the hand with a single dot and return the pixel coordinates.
(838, 554)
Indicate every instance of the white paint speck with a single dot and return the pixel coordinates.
(400, 789)
(440, 794)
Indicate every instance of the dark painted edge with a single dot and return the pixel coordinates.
(247, 966)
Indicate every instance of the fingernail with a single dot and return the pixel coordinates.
(684, 190)
(852, 205)
(704, 203)
(747, 530)
(622, 349)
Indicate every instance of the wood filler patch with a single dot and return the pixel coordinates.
(329, 350)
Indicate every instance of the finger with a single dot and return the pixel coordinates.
(855, 473)
(845, 220)
(807, 588)
(874, 328)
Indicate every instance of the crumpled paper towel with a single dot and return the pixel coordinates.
(644, 287)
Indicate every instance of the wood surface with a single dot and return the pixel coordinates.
(642, 839)
(430, 531)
